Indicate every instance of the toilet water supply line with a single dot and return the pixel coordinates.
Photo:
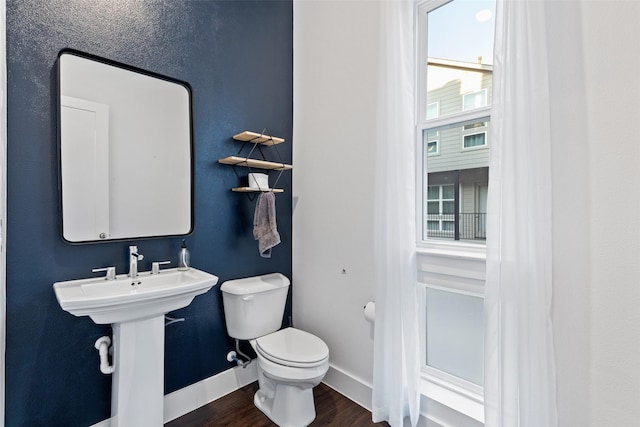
(232, 356)
(103, 345)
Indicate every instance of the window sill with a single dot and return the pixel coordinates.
(470, 251)
(452, 396)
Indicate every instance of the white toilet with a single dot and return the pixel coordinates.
(290, 361)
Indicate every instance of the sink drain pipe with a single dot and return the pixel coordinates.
(103, 345)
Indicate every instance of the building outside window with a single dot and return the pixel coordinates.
(462, 145)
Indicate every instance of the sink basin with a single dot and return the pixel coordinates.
(123, 299)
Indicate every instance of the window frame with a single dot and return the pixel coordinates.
(448, 265)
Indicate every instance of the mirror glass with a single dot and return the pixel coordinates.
(125, 151)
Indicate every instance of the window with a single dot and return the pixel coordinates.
(475, 135)
(455, 71)
(463, 335)
(475, 140)
(474, 100)
(432, 110)
(432, 139)
(455, 84)
(440, 210)
(432, 147)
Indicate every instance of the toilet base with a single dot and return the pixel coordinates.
(289, 406)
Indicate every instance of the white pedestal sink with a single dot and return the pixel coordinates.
(136, 310)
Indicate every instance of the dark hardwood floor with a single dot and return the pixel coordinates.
(237, 410)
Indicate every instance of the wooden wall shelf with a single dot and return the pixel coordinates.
(257, 138)
(255, 190)
(254, 163)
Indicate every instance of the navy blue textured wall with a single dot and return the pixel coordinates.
(237, 56)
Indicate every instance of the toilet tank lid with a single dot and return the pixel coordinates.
(252, 285)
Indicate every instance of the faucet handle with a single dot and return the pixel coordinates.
(155, 266)
(111, 272)
(133, 251)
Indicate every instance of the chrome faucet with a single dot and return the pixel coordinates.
(134, 257)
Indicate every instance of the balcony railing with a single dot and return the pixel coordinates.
(464, 226)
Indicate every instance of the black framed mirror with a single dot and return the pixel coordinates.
(125, 150)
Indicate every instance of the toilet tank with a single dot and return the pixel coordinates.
(254, 306)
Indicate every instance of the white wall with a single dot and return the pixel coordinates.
(335, 61)
(596, 201)
(612, 63)
(596, 172)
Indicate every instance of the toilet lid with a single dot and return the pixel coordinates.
(293, 347)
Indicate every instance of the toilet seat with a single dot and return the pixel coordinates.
(293, 347)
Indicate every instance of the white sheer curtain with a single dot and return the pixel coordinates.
(396, 372)
(519, 359)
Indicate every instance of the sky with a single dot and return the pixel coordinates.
(462, 30)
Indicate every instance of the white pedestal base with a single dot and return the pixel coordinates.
(137, 393)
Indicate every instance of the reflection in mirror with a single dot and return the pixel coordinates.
(125, 151)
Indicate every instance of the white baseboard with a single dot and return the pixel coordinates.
(192, 397)
(432, 414)
(354, 388)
